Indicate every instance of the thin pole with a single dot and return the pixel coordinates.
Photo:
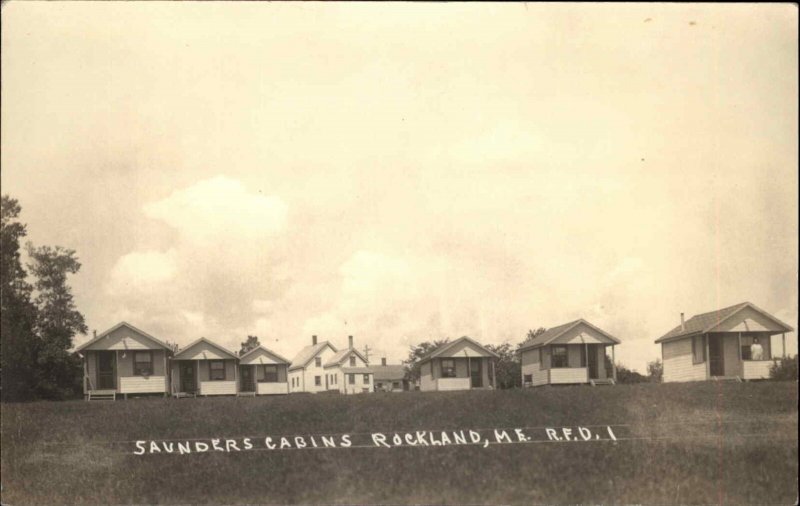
(614, 363)
(707, 357)
(586, 359)
(783, 343)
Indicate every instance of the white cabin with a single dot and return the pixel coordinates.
(124, 360)
(735, 342)
(572, 353)
(204, 368)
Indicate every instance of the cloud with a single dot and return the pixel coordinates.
(143, 270)
(220, 207)
(222, 268)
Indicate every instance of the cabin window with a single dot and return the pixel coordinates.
(352, 378)
(366, 379)
(318, 361)
(352, 361)
(699, 349)
(559, 358)
(528, 378)
(396, 385)
(448, 368)
(143, 363)
(318, 380)
(216, 370)
(270, 373)
(541, 358)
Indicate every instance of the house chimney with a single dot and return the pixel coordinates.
(383, 361)
(350, 341)
(94, 333)
(683, 323)
(313, 340)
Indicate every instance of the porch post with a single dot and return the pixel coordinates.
(235, 378)
(197, 383)
(740, 368)
(116, 367)
(85, 372)
(166, 375)
(613, 363)
(494, 374)
(707, 357)
(586, 362)
(783, 344)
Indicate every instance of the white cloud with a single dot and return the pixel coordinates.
(220, 207)
(220, 271)
(143, 270)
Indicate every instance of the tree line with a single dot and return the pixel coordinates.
(38, 317)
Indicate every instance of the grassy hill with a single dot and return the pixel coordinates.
(678, 444)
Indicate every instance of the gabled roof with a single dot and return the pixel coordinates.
(704, 322)
(357, 370)
(120, 325)
(446, 346)
(266, 350)
(388, 372)
(550, 335)
(339, 357)
(207, 341)
(306, 354)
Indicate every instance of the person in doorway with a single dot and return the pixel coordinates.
(756, 351)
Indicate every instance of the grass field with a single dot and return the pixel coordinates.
(701, 443)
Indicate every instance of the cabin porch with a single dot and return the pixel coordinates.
(109, 373)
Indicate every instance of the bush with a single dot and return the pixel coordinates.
(784, 369)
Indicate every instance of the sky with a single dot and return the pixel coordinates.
(407, 172)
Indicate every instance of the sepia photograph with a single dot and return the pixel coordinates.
(400, 253)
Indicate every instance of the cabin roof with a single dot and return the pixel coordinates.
(359, 370)
(389, 372)
(340, 355)
(207, 341)
(446, 346)
(120, 325)
(266, 350)
(550, 335)
(704, 322)
(305, 355)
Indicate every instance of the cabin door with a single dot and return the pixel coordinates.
(591, 361)
(188, 379)
(248, 381)
(716, 360)
(476, 372)
(106, 370)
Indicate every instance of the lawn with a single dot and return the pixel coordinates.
(700, 443)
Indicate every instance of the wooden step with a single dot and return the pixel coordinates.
(606, 381)
(737, 379)
(102, 397)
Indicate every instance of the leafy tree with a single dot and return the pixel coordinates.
(655, 371)
(784, 369)
(628, 376)
(17, 312)
(57, 321)
(531, 335)
(251, 344)
(39, 320)
(508, 368)
(416, 353)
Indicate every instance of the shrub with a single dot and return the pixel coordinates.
(784, 369)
